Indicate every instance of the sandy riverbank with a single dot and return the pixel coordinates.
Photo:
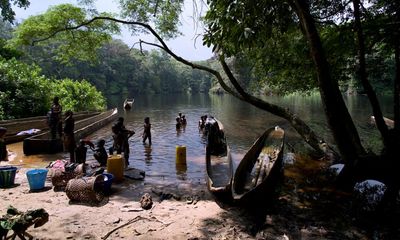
(195, 215)
(306, 210)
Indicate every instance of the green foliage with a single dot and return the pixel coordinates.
(7, 12)
(236, 25)
(266, 36)
(24, 91)
(5, 33)
(123, 71)
(80, 43)
(5, 30)
(78, 95)
(7, 52)
(164, 14)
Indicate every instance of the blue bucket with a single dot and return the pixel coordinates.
(7, 176)
(108, 179)
(36, 178)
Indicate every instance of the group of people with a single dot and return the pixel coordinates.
(121, 136)
(180, 121)
(77, 152)
(64, 129)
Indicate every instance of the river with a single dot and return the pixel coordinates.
(242, 122)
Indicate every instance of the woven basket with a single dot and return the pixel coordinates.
(60, 178)
(85, 189)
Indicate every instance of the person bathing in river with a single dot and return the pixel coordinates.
(202, 122)
(69, 137)
(3, 149)
(178, 123)
(121, 136)
(100, 153)
(147, 130)
(183, 120)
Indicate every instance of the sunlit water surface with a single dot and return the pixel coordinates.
(243, 123)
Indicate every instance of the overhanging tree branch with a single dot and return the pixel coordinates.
(308, 135)
(299, 125)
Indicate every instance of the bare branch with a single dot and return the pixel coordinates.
(297, 123)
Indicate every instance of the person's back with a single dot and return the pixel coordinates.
(80, 152)
(202, 122)
(118, 135)
(100, 153)
(216, 143)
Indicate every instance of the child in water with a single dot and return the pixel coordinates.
(178, 123)
(183, 120)
(100, 153)
(146, 130)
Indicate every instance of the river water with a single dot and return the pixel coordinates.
(242, 122)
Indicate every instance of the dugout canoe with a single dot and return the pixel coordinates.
(389, 122)
(42, 143)
(259, 171)
(219, 166)
(128, 103)
(19, 129)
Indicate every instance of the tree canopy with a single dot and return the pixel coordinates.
(305, 44)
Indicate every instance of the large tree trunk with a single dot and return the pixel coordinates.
(299, 125)
(338, 117)
(391, 151)
(380, 123)
(396, 93)
(308, 135)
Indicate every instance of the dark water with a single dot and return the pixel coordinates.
(243, 123)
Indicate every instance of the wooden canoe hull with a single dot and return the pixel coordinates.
(128, 103)
(40, 122)
(42, 143)
(219, 167)
(219, 172)
(245, 184)
(389, 122)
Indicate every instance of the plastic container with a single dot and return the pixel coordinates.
(108, 179)
(7, 176)
(36, 178)
(180, 154)
(116, 166)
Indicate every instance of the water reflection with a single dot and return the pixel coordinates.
(147, 153)
(181, 169)
(242, 122)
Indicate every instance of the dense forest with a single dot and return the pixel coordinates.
(117, 70)
(272, 47)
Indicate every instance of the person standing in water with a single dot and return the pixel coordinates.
(146, 130)
(121, 136)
